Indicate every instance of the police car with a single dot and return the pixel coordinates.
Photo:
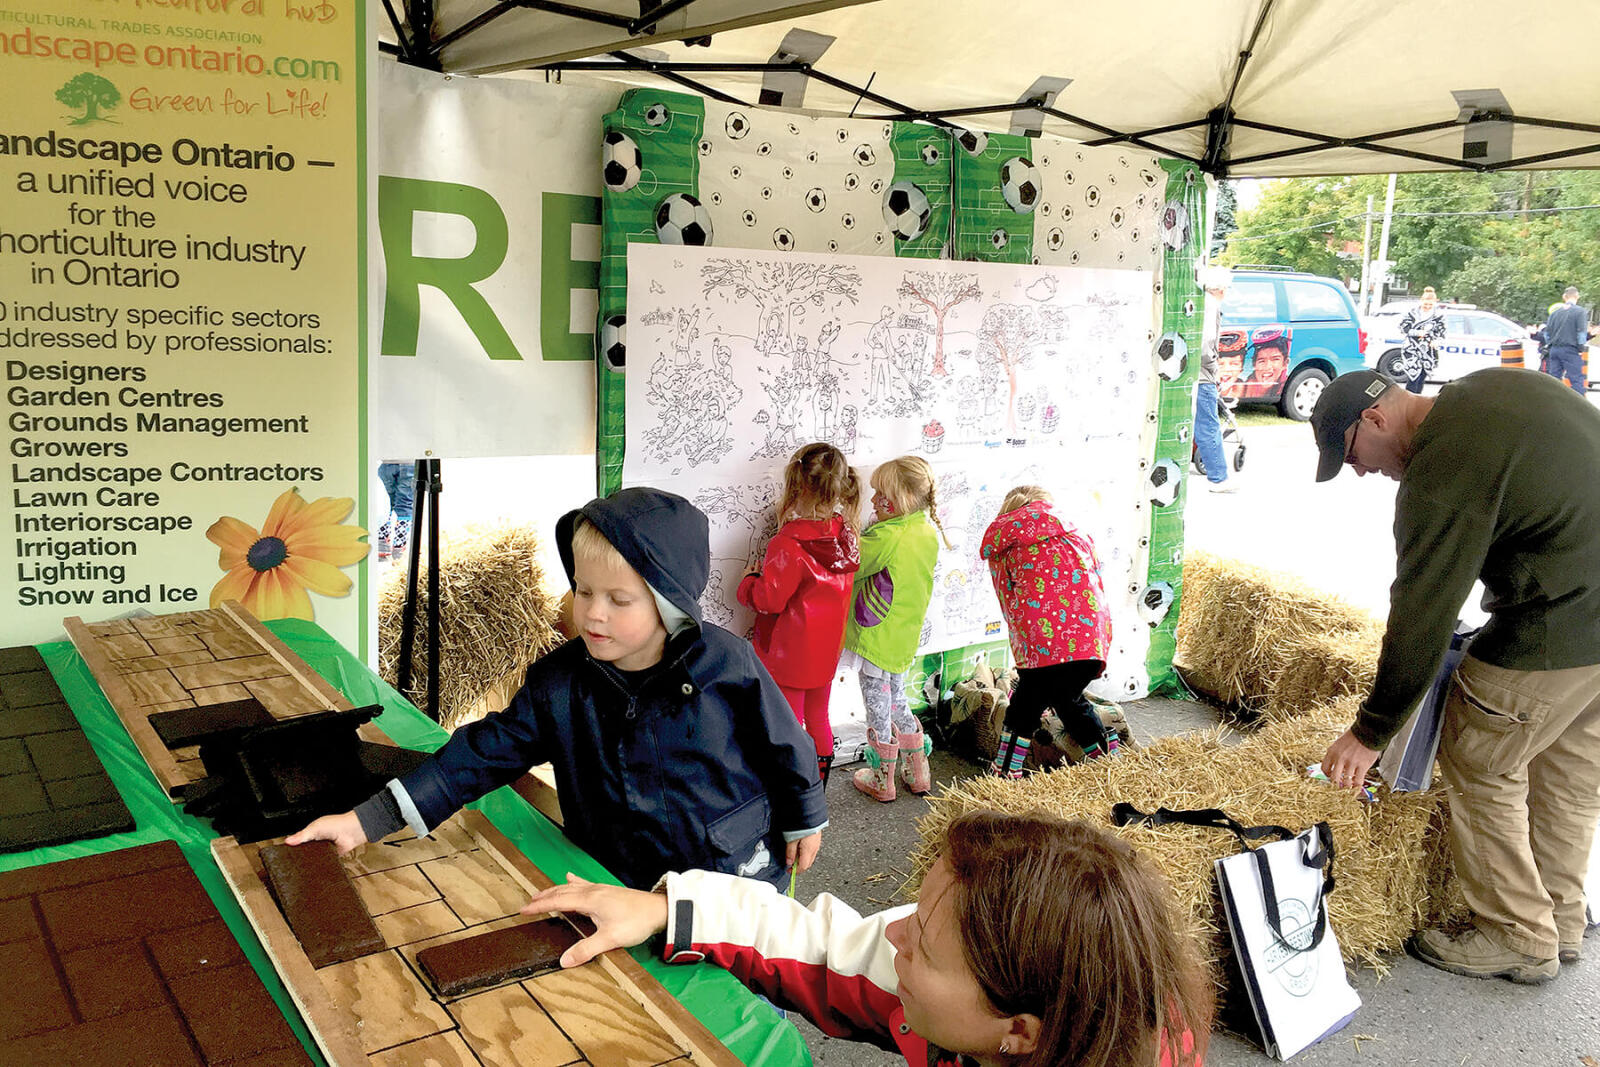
(1472, 340)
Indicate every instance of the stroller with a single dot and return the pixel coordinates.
(1230, 437)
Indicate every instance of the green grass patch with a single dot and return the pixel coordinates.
(1260, 415)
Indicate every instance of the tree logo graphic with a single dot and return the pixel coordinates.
(92, 93)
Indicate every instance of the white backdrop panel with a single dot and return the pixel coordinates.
(1031, 375)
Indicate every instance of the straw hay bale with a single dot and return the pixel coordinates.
(1267, 642)
(495, 617)
(1385, 884)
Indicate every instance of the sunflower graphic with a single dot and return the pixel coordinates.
(300, 547)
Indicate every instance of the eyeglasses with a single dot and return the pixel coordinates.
(1350, 449)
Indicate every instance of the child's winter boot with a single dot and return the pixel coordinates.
(877, 780)
(824, 767)
(1010, 756)
(914, 772)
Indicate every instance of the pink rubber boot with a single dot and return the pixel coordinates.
(877, 780)
(914, 772)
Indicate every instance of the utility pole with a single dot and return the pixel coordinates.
(1366, 262)
(1383, 243)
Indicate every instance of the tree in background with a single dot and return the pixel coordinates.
(1226, 223)
(1502, 241)
(1528, 258)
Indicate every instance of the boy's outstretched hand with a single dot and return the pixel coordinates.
(800, 855)
(343, 830)
(622, 917)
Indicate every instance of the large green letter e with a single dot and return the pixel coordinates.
(399, 201)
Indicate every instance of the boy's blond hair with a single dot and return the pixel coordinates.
(589, 545)
(909, 484)
(1025, 494)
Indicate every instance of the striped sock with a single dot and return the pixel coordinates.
(1113, 743)
(1019, 755)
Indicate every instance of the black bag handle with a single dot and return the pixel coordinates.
(1125, 814)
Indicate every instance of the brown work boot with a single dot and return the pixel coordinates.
(1571, 952)
(1473, 954)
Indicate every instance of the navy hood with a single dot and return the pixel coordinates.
(661, 535)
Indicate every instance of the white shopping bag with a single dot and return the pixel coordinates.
(1275, 898)
(848, 716)
(1407, 761)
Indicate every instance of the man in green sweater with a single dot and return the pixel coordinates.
(1500, 480)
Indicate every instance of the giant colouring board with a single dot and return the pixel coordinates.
(1013, 309)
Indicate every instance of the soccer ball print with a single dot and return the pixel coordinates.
(620, 164)
(682, 220)
(906, 210)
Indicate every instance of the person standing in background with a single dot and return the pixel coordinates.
(1207, 429)
(1566, 333)
(1422, 327)
(399, 478)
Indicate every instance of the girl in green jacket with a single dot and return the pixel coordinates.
(888, 601)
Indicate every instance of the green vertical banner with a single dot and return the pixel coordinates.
(1182, 230)
(650, 173)
(993, 224)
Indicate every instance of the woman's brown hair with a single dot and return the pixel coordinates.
(817, 482)
(1070, 924)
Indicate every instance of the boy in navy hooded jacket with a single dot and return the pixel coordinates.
(673, 747)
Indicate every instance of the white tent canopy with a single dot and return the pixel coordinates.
(1244, 87)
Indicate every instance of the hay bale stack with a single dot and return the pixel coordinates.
(495, 617)
(1384, 883)
(1245, 631)
(1327, 668)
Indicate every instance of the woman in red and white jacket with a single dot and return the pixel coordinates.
(1097, 974)
(801, 589)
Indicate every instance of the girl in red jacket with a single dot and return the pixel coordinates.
(1048, 581)
(801, 590)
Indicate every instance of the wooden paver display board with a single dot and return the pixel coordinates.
(464, 880)
(194, 659)
(121, 960)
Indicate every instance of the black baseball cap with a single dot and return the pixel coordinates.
(1338, 408)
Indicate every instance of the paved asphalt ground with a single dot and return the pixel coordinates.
(1337, 536)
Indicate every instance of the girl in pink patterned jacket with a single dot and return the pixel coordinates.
(1048, 581)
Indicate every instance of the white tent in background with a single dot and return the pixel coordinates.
(1243, 87)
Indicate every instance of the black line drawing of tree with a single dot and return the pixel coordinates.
(744, 506)
(1006, 339)
(90, 92)
(940, 291)
(780, 288)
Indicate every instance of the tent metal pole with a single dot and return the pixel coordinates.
(1221, 118)
(862, 91)
(1545, 157)
(635, 63)
(394, 20)
(712, 68)
(419, 13)
(1109, 132)
(584, 14)
(1553, 124)
(1156, 132)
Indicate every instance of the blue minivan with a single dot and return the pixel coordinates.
(1284, 336)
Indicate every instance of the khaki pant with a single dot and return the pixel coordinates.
(1520, 752)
